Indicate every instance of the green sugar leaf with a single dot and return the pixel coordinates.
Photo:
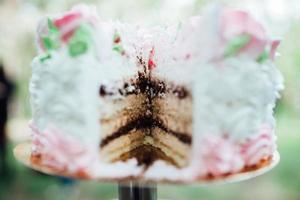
(52, 27)
(263, 56)
(118, 48)
(80, 41)
(77, 48)
(45, 57)
(50, 43)
(83, 32)
(236, 44)
(47, 42)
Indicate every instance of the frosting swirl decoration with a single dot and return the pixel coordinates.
(73, 30)
(242, 34)
(61, 151)
(220, 155)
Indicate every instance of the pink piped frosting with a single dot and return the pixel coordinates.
(219, 155)
(259, 147)
(60, 151)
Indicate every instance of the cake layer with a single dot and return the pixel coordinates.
(145, 123)
(174, 112)
(147, 155)
(164, 146)
(168, 111)
(123, 144)
(171, 146)
(119, 112)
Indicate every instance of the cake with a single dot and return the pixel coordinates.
(186, 102)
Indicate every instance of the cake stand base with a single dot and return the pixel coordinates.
(138, 189)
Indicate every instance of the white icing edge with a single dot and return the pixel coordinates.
(64, 92)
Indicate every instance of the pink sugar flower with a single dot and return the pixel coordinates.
(52, 32)
(242, 34)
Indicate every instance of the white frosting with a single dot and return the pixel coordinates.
(114, 67)
(160, 170)
(116, 170)
(235, 97)
(64, 92)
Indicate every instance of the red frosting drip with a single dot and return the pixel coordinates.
(151, 63)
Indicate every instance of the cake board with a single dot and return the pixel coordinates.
(141, 190)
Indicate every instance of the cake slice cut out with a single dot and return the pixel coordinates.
(153, 122)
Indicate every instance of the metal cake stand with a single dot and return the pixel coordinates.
(133, 190)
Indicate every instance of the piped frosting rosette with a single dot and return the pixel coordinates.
(259, 146)
(221, 155)
(242, 34)
(72, 30)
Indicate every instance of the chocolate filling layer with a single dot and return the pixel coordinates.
(145, 84)
(143, 123)
(147, 155)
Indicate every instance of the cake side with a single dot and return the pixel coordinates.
(65, 127)
(234, 84)
(240, 90)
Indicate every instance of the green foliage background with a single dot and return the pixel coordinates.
(17, 50)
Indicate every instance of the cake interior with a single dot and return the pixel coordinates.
(151, 120)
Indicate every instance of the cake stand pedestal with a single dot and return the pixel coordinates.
(134, 190)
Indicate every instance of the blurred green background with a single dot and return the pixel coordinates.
(18, 20)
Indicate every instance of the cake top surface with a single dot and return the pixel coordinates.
(216, 35)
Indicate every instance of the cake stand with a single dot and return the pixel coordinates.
(134, 190)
